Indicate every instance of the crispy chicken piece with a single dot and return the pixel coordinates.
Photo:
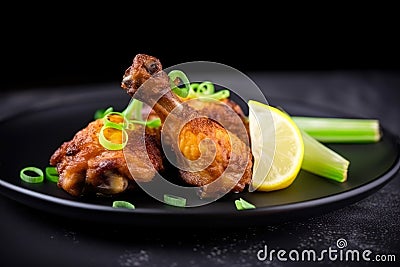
(146, 81)
(218, 113)
(84, 165)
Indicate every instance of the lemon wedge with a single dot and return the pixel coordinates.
(277, 151)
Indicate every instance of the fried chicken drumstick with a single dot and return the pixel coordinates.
(146, 81)
(84, 165)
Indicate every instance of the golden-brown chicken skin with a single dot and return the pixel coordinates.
(237, 156)
(222, 111)
(85, 166)
(146, 81)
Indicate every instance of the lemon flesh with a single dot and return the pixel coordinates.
(277, 147)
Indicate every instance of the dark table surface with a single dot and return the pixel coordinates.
(33, 237)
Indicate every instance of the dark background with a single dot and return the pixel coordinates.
(355, 52)
(73, 45)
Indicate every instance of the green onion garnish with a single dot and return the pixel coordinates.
(154, 123)
(206, 90)
(174, 200)
(100, 113)
(111, 145)
(115, 125)
(340, 130)
(130, 116)
(123, 204)
(52, 174)
(38, 178)
(133, 110)
(176, 77)
(321, 160)
(151, 123)
(217, 96)
(242, 204)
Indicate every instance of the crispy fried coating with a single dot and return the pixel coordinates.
(146, 81)
(84, 165)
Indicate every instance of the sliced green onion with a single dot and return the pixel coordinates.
(340, 130)
(216, 96)
(205, 88)
(202, 90)
(154, 123)
(150, 123)
(193, 90)
(242, 204)
(123, 204)
(134, 114)
(133, 110)
(38, 178)
(321, 160)
(115, 125)
(174, 200)
(100, 113)
(176, 77)
(110, 145)
(52, 174)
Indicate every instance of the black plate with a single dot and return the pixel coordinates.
(31, 136)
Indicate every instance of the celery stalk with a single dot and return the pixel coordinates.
(340, 130)
(321, 160)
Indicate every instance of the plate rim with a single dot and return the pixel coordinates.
(23, 195)
(361, 190)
